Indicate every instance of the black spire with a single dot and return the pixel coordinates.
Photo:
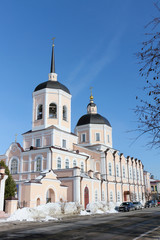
(52, 59)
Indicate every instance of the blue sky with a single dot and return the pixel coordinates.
(95, 45)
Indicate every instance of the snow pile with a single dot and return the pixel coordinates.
(101, 207)
(49, 211)
(71, 208)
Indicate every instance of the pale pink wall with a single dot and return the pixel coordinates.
(70, 185)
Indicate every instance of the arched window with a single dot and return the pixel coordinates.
(38, 164)
(111, 196)
(52, 110)
(82, 167)
(64, 113)
(67, 163)
(96, 196)
(118, 197)
(14, 166)
(74, 163)
(59, 163)
(39, 111)
(110, 168)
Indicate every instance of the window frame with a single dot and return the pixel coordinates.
(67, 163)
(83, 135)
(39, 142)
(38, 164)
(64, 143)
(59, 163)
(14, 159)
(51, 114)
(64, 113)
(39, 115)
(97, 136)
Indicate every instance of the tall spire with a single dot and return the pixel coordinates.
(52, 58)
(52, 76)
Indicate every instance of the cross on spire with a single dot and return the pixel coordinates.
(16, 137)
(91, 97)
(53, 41)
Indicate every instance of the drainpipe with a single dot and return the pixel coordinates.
(50, 148)
(86, 163)
(105, 152)
(115, 175)
(121, 177)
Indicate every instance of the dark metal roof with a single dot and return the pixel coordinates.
(91, 104)
(53, 85)
(93, 119)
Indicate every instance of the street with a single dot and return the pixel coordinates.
(140, 224)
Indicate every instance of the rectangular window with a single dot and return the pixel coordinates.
(83, 137)
(97, 136)
(38, 142)
(108, 138)
(64, 143)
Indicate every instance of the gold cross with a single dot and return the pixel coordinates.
(16, 137)
(53, 41)
(91, 90)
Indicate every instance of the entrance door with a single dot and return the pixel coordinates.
(86, 196)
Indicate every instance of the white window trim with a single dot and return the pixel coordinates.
(11, 162)
(36, 142)
(35, 163)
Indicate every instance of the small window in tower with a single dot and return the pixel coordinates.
(38, 142)
(39, 112)
(64, 113)
(38, 164)
(83, 137)
(108, 138)
(52, 110)
(63, 143)
(97, 136)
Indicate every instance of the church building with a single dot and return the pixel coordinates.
(54, 164)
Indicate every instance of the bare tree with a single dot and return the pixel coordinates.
(148, 108)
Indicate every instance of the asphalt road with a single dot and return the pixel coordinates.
(140, 224)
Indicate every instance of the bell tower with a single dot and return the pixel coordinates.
(51, 103)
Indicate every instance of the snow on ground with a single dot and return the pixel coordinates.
(53, 211)
(101, 207)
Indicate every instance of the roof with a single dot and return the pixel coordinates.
(48, 128)
(93, 119)
(52, 85)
